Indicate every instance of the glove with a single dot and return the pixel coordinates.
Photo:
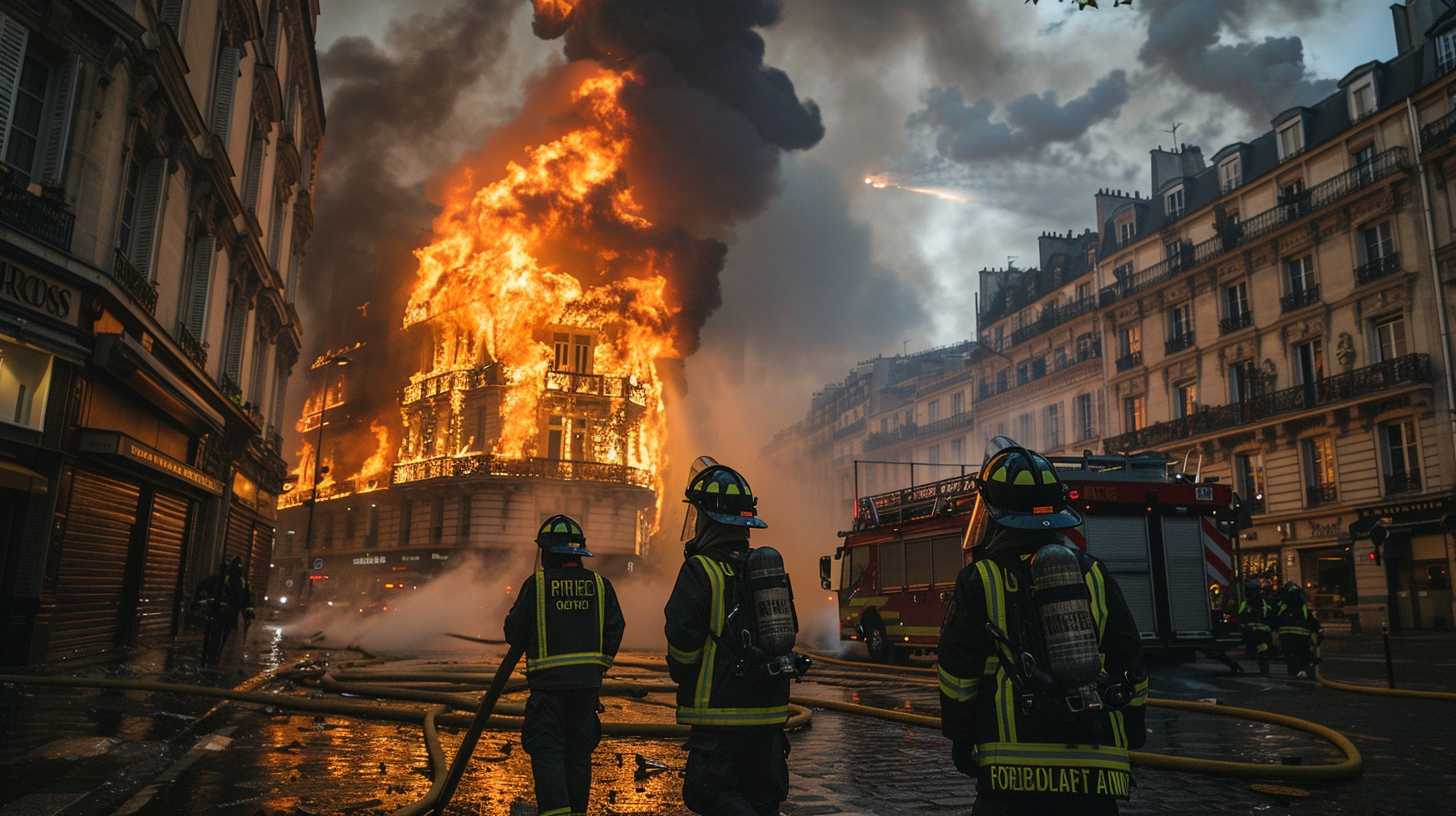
(963, 754)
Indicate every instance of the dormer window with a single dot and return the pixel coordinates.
(1126, 231)
(1174, 203)
(1291, 138)
(1446, 52)
(1230, 173)
(1362, 97)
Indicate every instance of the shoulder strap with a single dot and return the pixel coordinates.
(716, 579)
(541, 614)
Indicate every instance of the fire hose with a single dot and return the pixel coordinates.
(446, 688)
(1361, 688)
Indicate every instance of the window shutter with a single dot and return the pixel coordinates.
(223, 87)
(271, 37)
(172, 16)
(295, 269)
(149, 203)
(233, 344)
(276, 224)
(251, 173)
(199, 281)
(62, 105)
(280, 389)
(12, 58)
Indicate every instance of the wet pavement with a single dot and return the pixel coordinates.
(162, 754)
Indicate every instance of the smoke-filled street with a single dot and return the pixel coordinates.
(727, 407)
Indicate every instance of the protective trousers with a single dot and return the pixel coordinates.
(1042, 804)
(1298, 650)
(737, 771)
(560, 732)
(214, 640)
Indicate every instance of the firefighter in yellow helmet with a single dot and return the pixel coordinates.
(1042, 686)
(730, 635)
(567, 621)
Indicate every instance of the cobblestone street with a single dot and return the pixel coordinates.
(155, 756)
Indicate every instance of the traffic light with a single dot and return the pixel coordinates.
(1379, 534)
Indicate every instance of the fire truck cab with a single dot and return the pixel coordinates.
(1164, 537)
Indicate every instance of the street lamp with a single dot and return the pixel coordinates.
(342, 361)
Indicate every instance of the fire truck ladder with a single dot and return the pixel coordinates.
(915, 502)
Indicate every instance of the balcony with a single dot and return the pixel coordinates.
(1052, 317)
(448, 381)
(1404, 482)
(879, 440)
(43, 218)
(1179, 342)
(482, 465)
(945, 425)
(1319, 495)
(195, 349)
(1245, 232)
(1237, 322)
(854, 428)
(1127, 362)
(230, 388)
(134, 282)
(596, 385)
(1412, 369)
(1300, 298)
(1438, 132)
(1377, 268)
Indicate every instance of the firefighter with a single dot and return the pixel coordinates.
(737, 751)
(221, 598)
(1299, 631)
(1042, 685)
(1255, 613)
(567, 621)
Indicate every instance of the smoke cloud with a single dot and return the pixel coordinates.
(1262, 77)
(1033, 122)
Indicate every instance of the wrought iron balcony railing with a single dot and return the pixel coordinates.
(43, 218)
(484, 465)
(1127, 362)
(1300, 298)
(1412, 369)
(596, 385)
(1318, 495)
(1377, 268)
(1053, 316)
(195, 349)
(1438, 132)
(230, 387)
(133, 282)
(851, 429)
(445, 382)
(879, 440)
(1236, 322)
(1179, 342)
(1280, 215)
(1404, 482)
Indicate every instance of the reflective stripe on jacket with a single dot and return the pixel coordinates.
(569, 624)
(711, 690)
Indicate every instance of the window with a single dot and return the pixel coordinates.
(1243, 381)
(555, 431)
(957, 403)
(932, 411)
(1173, 251)
(371, 528)
(1398, 455)
(437, 520)
(253, 170)
(561, 342)
(884, 425)
(1084, 292)
(581, 353)
(1249, 473)
(1059, 358)
(1309, 364)
(1291, 138)
(1375, 242)
(1173, 202)
(1185, 399)
(1319, 470)
(128, 203)
(932, 455)
(1446, 52)
(1180, 323)
(1362, 98)
(1390, 339)
(25, 383)
(1123, 272)
(1025, 429)
(957, 451)
(1082, 415)
(277, 220)
(946, 559)
(137, 216)
(1230, 173)
(1023, 372)
(350, 527)
(171, 14)
(917, 562)
(1038, 367)
(1086, 347)
(406, 518)
(1002, 380)
(235, 325)
(1053, 426)
(1362, 161)
(1301, 274)
(1130, 339)
(892, 565)
(224, 87)
(27, 114)
(1126, 231)
(1134, 414)
(1236, 306)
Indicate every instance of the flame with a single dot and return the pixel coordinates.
(489, 295)
(373, 473)
(881, 181)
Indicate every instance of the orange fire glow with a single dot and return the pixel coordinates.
(374, 473)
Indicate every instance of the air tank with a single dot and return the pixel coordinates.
(773, 601)
(1065, 612)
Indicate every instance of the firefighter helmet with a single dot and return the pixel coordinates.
(1022, 491)
(563, 536)
(723, 495)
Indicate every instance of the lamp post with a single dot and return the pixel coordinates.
(342, 361)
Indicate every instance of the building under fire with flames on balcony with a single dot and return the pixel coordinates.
(1300, 285)
(157, 161)
(445, 489)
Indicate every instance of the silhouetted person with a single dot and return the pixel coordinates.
(223, 597)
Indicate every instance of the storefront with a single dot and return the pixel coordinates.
(1412, 580)
(251, 531)
(1314, 552)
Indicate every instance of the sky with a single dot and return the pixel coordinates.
(1023, 111)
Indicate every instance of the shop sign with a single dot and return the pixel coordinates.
(318, 564)
(409, 558)
(370, 560)
(39, 293)
(119, 444)
(1326, 528)
(434, 556)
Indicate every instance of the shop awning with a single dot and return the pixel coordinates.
(15, 476)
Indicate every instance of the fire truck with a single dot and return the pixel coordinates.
(1165, 538)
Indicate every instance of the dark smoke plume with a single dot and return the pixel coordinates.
(967, 133)
(1262, 78)
(384, 110)
(709, 124)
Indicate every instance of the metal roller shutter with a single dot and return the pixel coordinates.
(1187, 579)
(92, 572)
(262, 555)
(165, 534)
(1122, 544)
(239, 540)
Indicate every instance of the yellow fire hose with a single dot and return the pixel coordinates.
(445, 688)
(1361, 688)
